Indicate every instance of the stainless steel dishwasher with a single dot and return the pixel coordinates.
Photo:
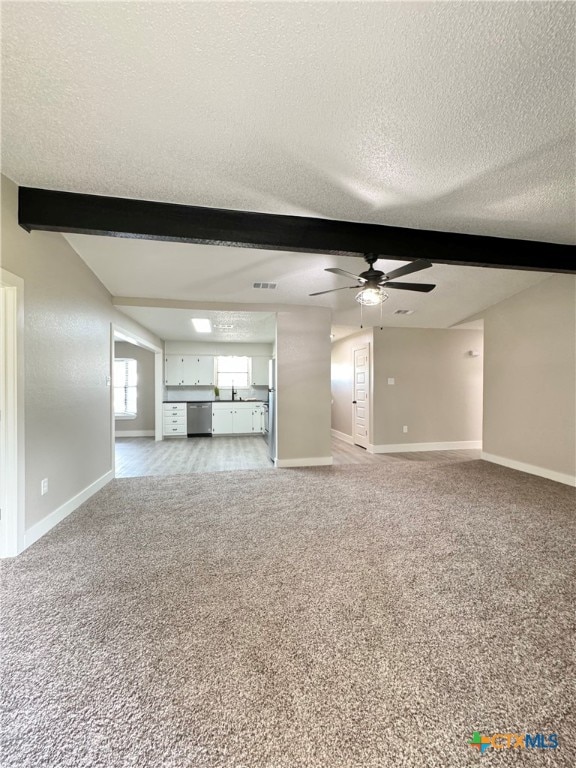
(199, 419)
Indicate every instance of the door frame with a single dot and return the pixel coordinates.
(118, 333)
(12, 454)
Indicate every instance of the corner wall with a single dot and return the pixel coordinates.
(67, 399)
(303, 387)
(530, 380)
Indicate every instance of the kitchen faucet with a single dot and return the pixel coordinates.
(234, 392)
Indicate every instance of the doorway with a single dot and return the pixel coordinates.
(120, 335)
(11, 415)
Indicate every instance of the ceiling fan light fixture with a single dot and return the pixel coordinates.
(371, 297)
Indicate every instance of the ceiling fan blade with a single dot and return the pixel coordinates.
(343, 272)
(407, 269)
(422, 287)
(346, 288)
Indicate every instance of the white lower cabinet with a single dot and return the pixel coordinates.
(238, 418)
(174, 420)
(222, 419)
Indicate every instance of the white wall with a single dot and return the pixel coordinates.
(67, 339)
(530, 379)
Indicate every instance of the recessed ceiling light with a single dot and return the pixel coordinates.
(202, 325)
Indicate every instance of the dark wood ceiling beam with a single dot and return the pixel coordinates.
(53, 211)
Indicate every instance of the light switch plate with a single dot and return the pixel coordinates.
(391, 380)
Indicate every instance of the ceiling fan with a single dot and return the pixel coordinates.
(373, 281)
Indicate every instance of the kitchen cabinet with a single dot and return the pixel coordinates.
(237, 418)
(174, 420)
(222, 419)
(258, 418)
(189, 370)
(205, 371)
(173, 370)
(242, 420)
(260, 371)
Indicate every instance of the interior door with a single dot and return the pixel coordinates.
(361, 402)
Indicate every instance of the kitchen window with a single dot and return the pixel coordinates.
(125, 388)
(232, 372)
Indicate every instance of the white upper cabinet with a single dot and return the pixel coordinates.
(205, 371)
(260, 371)
(189, 370)
(173, 370)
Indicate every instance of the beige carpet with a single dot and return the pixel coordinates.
(350, 617)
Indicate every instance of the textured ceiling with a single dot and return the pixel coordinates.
(454, 116)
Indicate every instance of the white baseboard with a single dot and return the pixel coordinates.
(47, 523)
(135, 433)
(531, 469)
(342, 436)
(314, 461)
(414, 447)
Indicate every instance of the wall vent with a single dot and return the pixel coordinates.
(271, 286)
(403, 311)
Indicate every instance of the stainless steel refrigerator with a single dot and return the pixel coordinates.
(272, 409)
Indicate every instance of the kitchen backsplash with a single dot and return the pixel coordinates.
(201, 394)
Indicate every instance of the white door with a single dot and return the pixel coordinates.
(361, 402)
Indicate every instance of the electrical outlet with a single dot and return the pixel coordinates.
(405, 429)
(44, 486)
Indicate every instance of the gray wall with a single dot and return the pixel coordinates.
(145, 361)
(438, 389)
(67, 317)
(530, 376)
(303, 384)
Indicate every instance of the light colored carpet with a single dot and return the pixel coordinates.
(349, 617)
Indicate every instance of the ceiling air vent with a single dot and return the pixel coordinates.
(404, 312)
(271, 286)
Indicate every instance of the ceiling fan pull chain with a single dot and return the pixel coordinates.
(361, 316)
(381, 308)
